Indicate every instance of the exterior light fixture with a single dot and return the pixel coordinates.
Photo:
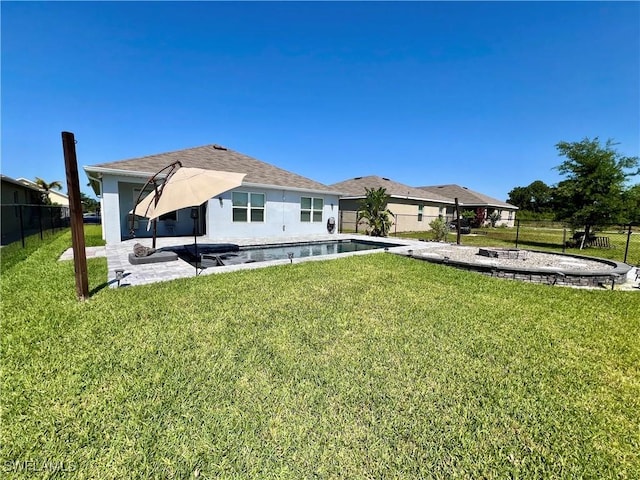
(119, 275)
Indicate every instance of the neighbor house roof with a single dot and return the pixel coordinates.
(19, 183)
(62, 197)
(212, 157)
(356, 187)
(465, 196)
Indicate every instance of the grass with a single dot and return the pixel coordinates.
(373, 366)
(545, 238)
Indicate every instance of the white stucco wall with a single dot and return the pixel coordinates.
(282, 213)
(110, 209)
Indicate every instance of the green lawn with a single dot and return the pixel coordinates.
(373, 366)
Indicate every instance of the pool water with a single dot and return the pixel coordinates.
(279, 252)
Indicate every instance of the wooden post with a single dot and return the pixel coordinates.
(75, 212)
(457, 222)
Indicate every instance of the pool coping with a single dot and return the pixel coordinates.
(133, 275)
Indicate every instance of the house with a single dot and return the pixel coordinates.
(412, 208)
(17, 214)
(56, 198)
(271, 202)
(470, 200)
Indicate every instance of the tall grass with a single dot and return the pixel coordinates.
(375, 366)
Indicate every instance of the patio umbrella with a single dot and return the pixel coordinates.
(186, 187)
(182, 187)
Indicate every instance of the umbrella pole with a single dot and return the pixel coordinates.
(155, 232)
(195, 242)
(194, 215)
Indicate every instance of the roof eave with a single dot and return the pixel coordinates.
(403, 197)
(116, 171)
(99, 171)
(292, 189)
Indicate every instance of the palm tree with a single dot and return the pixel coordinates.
(55, 185)
(47, 187)
(373, 208)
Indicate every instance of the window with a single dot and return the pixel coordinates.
(248, 207)
(311, 209)
(169, 216)
(420, 211)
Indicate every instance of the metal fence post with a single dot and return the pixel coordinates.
(40, 221)
(21, 225)
(517, 231)
(53, 228)
(626, 249)
(564, 239)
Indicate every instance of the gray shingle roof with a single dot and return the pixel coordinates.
(356, 187)
(215, 157)
(465, 196)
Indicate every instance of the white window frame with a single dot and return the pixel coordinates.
(312, 211)
(420, 212)
(249, 207)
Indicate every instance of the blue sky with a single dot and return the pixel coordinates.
(476, 94)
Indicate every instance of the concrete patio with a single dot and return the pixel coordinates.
(118, 256)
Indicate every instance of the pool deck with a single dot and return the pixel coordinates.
(118, 256)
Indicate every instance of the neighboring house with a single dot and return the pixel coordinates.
(14, 195)
(56, 197)
(412, 208)
(271, 202)
(470, 200)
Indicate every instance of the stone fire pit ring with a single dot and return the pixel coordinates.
(526, 265)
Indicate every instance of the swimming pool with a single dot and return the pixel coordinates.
(212, 256)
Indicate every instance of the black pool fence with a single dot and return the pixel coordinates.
(19, 221)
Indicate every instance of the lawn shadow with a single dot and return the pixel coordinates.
(103, 285)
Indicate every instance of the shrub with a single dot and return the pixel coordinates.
(440, 229)
(494, 217)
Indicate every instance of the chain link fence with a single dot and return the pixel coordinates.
(401, 223)
(616, 242)
(21, 221)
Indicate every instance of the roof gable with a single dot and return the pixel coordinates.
(466, 196)
(356, 187)
(216, 157)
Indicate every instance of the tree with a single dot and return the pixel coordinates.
(631, 205)
(536, 197)
(47, 187)
(89, 204)
(373, 208)
(592, 193)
